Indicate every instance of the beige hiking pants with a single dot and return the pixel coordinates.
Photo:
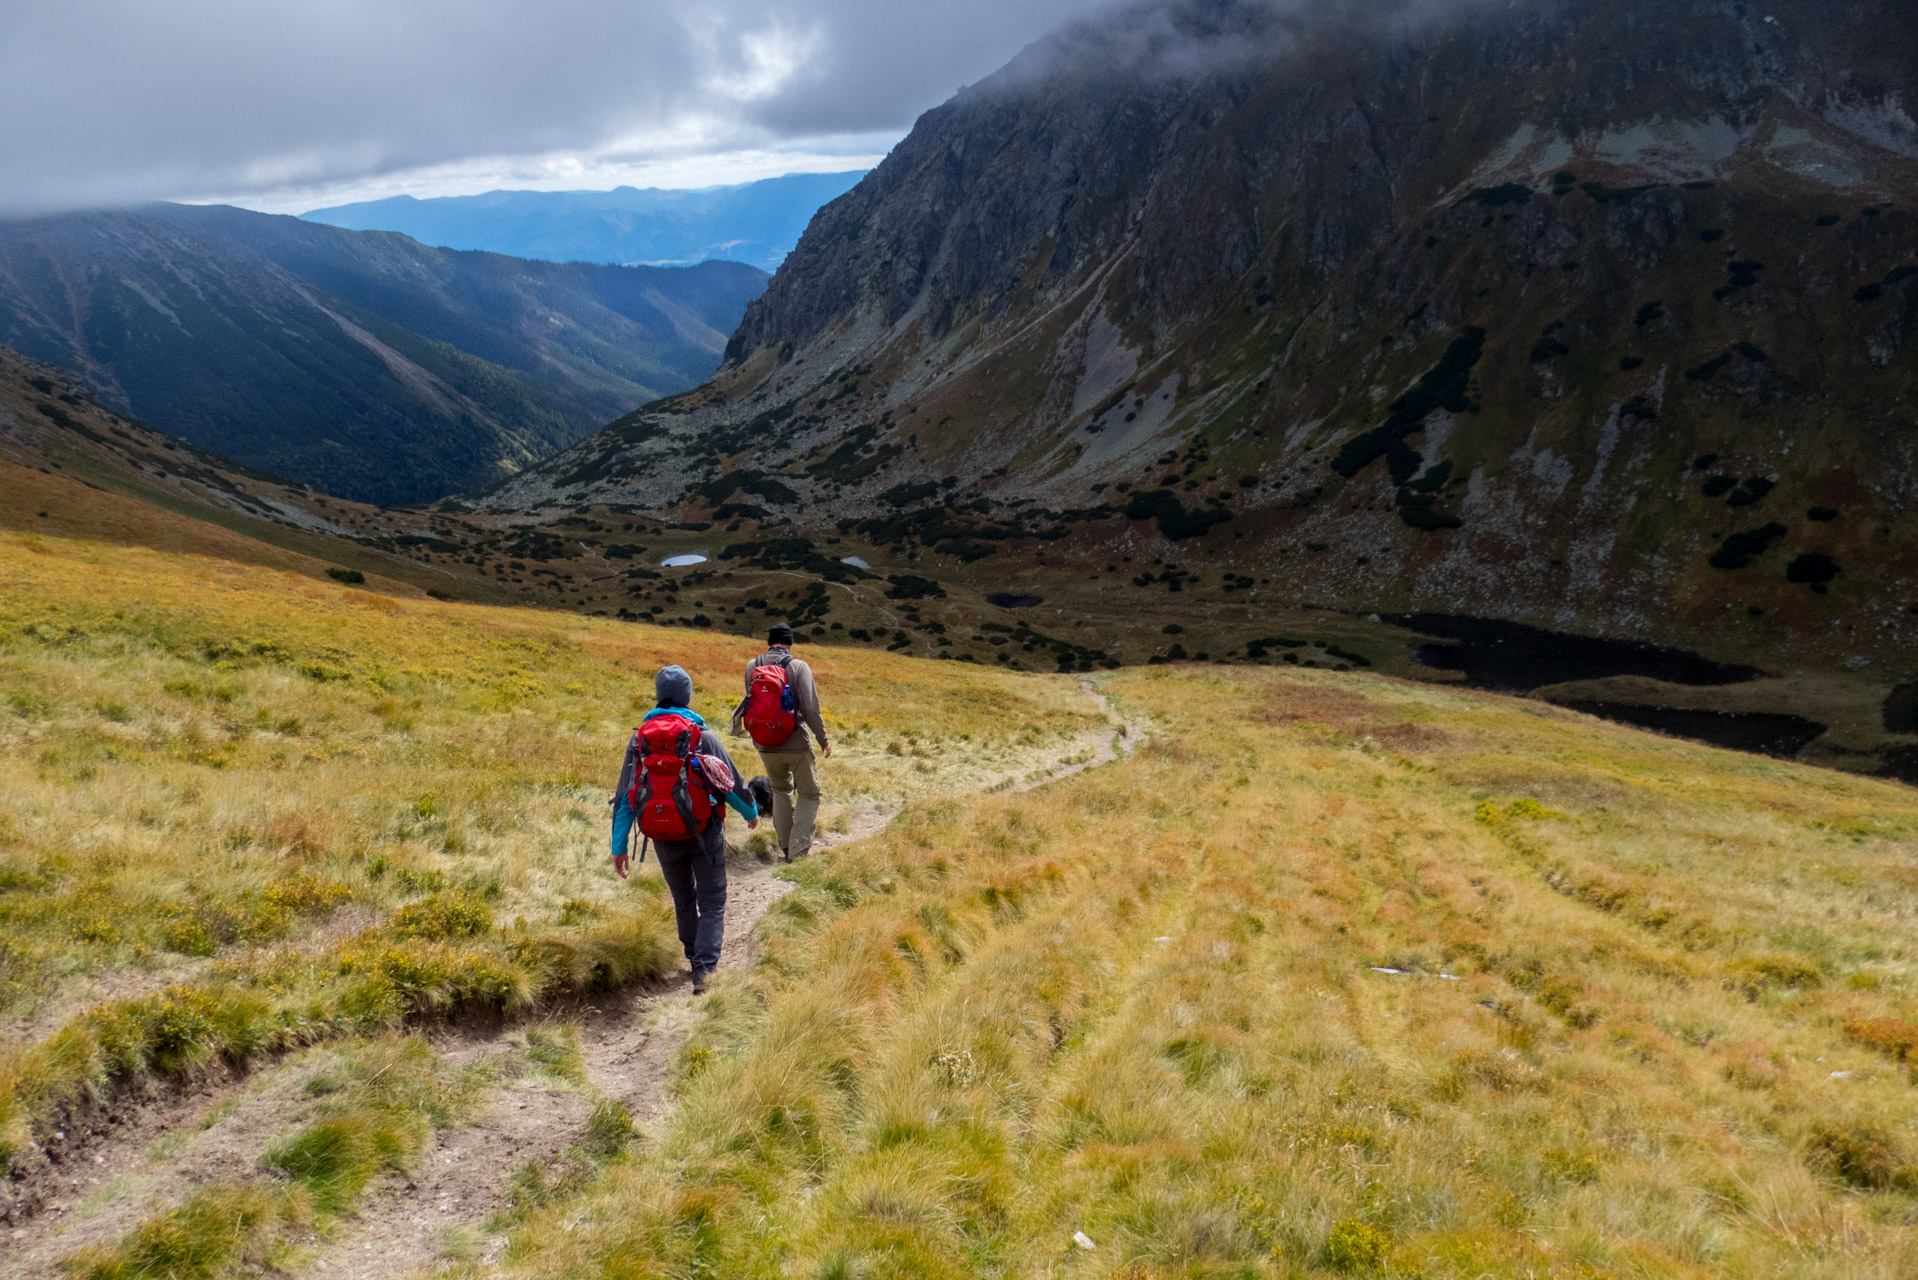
(791, 771)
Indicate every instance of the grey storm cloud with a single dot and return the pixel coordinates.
(116, 100)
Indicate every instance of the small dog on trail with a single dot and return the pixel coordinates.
(761, 790)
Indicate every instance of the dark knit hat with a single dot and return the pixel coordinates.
(780, 633)
(672, 687)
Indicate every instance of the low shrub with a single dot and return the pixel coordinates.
(1889, 1036)
(442, 917)
(909, 586)
(1814, 568)
(1860, 1156)
(1763, 973)
(1355, 1246)
(1740, 549)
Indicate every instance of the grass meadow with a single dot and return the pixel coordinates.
(1335, 975)
(244, 812)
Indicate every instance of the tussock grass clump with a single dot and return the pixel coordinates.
(335, 1158)
(377, 1104)
(221, 1231)
(1298, 989)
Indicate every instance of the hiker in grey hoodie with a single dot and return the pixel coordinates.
(789, 764)
(694, 870)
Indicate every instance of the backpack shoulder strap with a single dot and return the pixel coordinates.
(635, 758)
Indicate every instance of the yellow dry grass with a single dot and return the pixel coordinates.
(226, 778)
(1339, 974)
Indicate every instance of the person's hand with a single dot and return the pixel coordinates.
(620, 863)
(752, 824)
(825, 750)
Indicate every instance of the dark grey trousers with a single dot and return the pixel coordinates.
(695, 872)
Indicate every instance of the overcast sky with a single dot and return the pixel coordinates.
(289, 104)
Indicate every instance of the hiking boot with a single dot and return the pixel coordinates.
(699, 982)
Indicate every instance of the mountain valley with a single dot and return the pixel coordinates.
(360, 362)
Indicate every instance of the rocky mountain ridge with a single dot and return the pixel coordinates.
(1594, 316)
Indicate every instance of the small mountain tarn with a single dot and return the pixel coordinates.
(1514, 658)
(1005, 600)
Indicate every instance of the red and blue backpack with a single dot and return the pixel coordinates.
(771, 713)
(669, 792)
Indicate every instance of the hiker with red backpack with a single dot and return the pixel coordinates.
(677, 781)
(781, 705)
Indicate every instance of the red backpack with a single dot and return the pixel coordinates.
(771, 714)
(669, 791)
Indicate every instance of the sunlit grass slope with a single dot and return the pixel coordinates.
(1338, 974)
(257, 809)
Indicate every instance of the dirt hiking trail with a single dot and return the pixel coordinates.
(525, 1126)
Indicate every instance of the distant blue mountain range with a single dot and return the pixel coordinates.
(755, 222)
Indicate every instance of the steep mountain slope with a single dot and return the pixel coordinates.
(756, 222)
(1589, 315)
(364, 363)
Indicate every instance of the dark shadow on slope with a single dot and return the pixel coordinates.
(1899, 763)
(1514, 658)
(1763, 732)
(1901, 709)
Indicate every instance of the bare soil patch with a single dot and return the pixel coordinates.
(461, 1180)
